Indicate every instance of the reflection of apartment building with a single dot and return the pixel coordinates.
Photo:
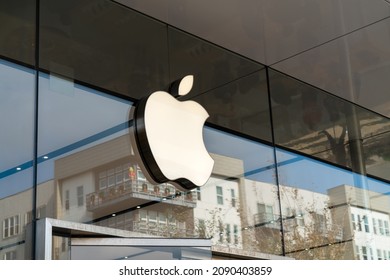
(218, 213)
(111, 190)
(241, 216)
(16, 217)
(103, 185)
(365, 218)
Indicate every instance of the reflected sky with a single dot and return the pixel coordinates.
(17, 110)
(70, 112)
(310, 174)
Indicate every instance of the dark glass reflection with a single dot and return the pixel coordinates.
(105, 45)
(316, 123)
(241, 106)
(212, 66)
(18, 38)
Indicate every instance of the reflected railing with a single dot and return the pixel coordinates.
(142, 190)
(163, 229)
(290, 225)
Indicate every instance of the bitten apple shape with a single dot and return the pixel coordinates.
(169, 138)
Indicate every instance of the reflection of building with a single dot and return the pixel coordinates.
(365, 216)
(112, 183)
(16, 217)
(241, 217)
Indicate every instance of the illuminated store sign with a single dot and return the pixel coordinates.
(169, 139)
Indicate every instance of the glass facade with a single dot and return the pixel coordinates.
(299, 172)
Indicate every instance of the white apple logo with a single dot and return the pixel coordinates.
(169, 137)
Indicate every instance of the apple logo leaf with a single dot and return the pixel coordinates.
(182, 86)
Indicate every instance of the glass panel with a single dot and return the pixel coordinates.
(337, 207)
(252, 179)
(355, 67)
(212, 66)
(266, 31)
(105, 45)
(316, 123)
(241, 106)
(62, 147)
(18, 38)
(17, 103)
(302, 25)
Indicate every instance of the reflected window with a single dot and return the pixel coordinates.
(114, 177)
(266, 212)
(357, 252)
(235, 233)
(102, 180)
(233, 197)
(111, 177)
(386, 225)
(11, 226)
(299, 218)
(219, 195)
(381, 228)
(353, 221)
(143, 215)
(379, 254)
(374, 225)
(80, 196)
(162, 218)
(11, 255)
(359, 223)
(366, 225)
(364, 253)
(67, 200)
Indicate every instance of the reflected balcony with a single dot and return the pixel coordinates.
(136, 193)
(163, 229)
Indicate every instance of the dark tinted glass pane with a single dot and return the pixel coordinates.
(375, 130)
(241, 105)
(105, 45)
(212, 66)
(17, 39)
(319, 124)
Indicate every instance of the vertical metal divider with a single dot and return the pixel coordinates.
(276, 162)
(35, 140)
